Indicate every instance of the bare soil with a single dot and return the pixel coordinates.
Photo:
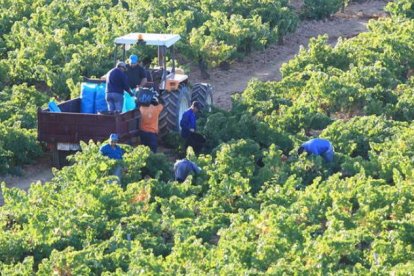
(264, 65)
(40, 171)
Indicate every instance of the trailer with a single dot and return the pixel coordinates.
(63, 131)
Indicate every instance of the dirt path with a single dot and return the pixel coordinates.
(41, 171)
(261, 65)
(265, 65)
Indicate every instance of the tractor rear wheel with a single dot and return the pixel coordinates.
(175, 104)
(203, 93)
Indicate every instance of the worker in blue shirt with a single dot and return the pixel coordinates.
(318, 146)
(188, 121)
(113, 151)
(183, 167)
(188, 127)
(116, 84)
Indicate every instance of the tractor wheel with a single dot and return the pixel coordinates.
(203, 93)
(175, 104)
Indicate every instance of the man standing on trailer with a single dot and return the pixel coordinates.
(137, 76)
(116, 84)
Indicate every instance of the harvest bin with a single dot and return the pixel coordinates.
(62, 131)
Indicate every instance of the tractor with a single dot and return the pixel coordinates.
(170, 82)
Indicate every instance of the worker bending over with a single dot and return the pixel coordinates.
(148, 124)
(183, 167)
(318, 146)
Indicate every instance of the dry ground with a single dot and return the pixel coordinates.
(265, 65)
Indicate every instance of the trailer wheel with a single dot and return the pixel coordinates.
(175, 104)
(203, 93)
(59, 158)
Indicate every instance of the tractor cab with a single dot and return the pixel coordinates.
(165, 78)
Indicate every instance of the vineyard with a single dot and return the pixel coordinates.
(48, 46)
(250, 211)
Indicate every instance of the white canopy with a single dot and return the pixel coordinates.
(150, 39)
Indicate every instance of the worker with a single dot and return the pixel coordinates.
(318, 146)
(137, 76)
(188, 128)
(116, 84)
(148, 124)
(113, 151)
(183, 167)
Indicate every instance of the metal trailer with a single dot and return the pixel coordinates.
(63, 131)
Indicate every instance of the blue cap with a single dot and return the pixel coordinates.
(133, 59)
(113, 137)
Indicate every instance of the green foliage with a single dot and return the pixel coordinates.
(234, 28)
(18, 111)
(18, 146)
(319, 55)
(392, 157)
(19, 105)
(172, 140)
(252, 210)
(158, 166)
(319, 9)
(222, 127)
(401, 8)
(355, 136)
(23, 268)
(403, 110)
